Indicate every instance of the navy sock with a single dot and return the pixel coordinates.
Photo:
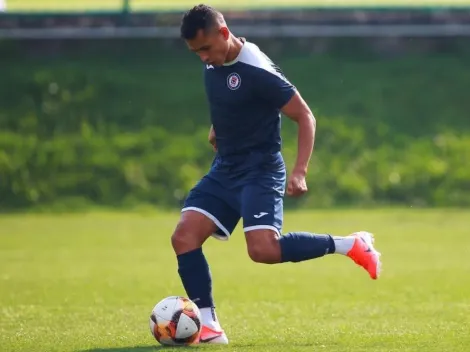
(300, 246)
(196, 277)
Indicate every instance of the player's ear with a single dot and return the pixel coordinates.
(225, 32)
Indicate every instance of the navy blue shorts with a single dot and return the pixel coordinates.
(252, 191)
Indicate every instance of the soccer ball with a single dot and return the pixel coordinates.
(175, 321)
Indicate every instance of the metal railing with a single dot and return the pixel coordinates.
(125, 6)
(264, 31)
(333, 22)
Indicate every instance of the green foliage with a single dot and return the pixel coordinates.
(100, 125)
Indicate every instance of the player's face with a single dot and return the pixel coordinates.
(211, 47)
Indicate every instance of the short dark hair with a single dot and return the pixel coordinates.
(199, 17)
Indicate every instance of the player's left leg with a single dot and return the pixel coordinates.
(262, 212)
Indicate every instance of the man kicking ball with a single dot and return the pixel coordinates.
(247, 93)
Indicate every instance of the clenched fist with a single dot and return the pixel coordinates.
(296, 184)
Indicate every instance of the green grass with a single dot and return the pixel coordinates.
(58, 5)
(88, 283)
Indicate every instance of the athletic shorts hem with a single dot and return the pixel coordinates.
(215, 220)
(261, 227)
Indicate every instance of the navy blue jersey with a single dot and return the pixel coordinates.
(248, 176)
(245, 97)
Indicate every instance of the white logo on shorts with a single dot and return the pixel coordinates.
(234, 81)
(260, 215)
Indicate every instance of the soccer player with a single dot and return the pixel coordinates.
(247, 93)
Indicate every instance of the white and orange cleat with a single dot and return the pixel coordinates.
(209, 335)
(364, 254)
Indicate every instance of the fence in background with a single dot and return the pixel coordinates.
(268, 23)
(122, 6)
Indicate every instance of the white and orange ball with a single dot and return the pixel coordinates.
(175, 321)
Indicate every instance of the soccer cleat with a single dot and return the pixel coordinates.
(364, 254)
(209, 335)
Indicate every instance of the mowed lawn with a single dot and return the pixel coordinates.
(60, 5)
(87, 282)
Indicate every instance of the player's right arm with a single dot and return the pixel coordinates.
(212, 138)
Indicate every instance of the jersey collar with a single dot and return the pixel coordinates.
(234, 61)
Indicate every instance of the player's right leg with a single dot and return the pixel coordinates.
(193, 229)
(204, 214)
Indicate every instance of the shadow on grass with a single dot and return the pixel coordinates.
(195, 347)
(125, 349)
(151, 348)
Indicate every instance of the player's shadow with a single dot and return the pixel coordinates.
(139, 349)
(126, 349)
(200, 348)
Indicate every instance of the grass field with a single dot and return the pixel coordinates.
(92, 5)
(88, 283)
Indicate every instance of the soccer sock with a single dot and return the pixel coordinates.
(343, 244)
(209, 318)
(300, 246)
(196, 278)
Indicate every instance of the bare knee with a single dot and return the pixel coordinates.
(262, 255)
(192, 231)
(263, 246)
(182, 240)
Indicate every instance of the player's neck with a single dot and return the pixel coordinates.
(236, 46)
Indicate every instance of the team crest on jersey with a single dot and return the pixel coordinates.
(234, 81)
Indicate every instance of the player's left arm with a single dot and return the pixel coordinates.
(298, 110)
(280, 93)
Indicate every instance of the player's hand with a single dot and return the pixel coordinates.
(212, 139)
(296, 184)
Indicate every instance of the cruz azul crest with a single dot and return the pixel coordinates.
(234, 81)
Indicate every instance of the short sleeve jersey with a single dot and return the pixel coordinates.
(245, 98)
